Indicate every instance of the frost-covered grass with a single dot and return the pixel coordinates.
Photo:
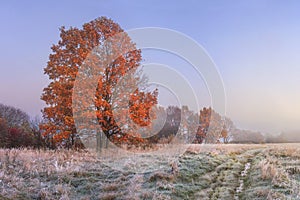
(203, 172)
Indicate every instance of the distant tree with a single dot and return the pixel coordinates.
(224, 135)
(14, 127)
(14, 117)
(170, 122)
(210, 127)
(189, 124)
(204, 121)
(228, 128)
(18, 130)
(168, 128)
(215, 128)
(173, 120)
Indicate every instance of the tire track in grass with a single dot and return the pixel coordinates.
(243, 179)
(234, 175)
(267, 179)
(211, 176)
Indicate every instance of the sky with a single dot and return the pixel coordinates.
(254, 44)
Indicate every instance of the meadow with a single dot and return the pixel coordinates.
(221, 171)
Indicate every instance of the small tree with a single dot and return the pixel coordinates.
(228, 128)
(213, 128)
(209, 124)
(189, 124)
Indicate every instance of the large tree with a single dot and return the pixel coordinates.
(68, 55)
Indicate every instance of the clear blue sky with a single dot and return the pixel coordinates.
(255, 45)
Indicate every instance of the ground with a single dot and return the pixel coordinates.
(233, 171)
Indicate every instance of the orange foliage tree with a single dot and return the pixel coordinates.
(68, 55)
(210, 127)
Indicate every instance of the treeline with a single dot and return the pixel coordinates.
(207, 126)
(284, 137)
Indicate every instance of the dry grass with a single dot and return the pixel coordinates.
(268, 169)
(203, 172)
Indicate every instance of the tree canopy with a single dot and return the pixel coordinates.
(73, 48)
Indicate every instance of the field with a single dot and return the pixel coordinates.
(233, 171)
